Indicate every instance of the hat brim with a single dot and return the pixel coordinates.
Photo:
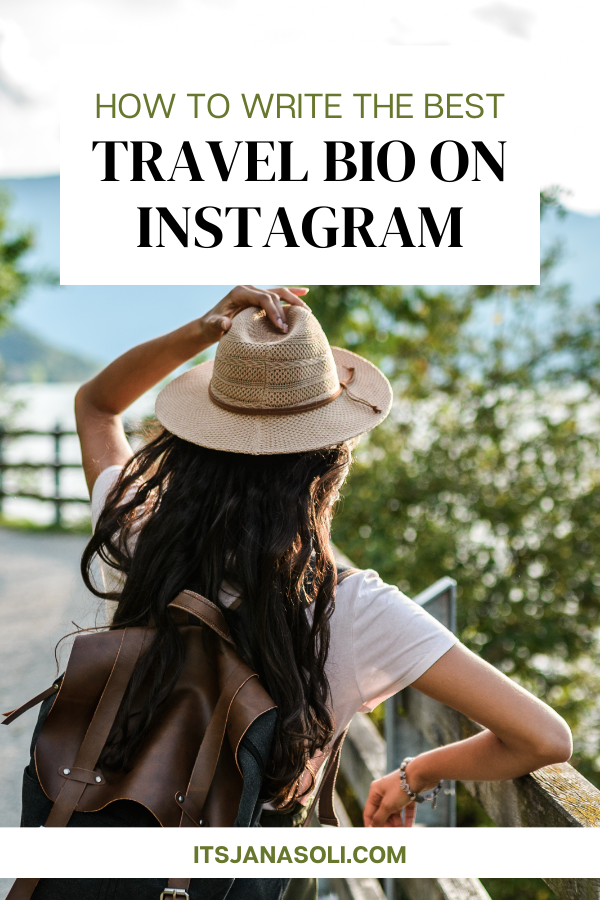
(184, 407)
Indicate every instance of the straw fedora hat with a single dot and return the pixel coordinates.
(267, 392)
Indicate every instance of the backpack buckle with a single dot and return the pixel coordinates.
(174, 892)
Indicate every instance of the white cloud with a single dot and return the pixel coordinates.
(513, 20)
(28, 104)
(17, 67)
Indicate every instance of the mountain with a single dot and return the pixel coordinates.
(26, 357)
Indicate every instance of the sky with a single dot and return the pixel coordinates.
(99, 321)
(561, 39)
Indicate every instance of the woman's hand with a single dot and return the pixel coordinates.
(387, 804)
(100, 402)
(521, 734)
(218, 320)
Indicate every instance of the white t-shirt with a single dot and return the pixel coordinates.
(381, 640)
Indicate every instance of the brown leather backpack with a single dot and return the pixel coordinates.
(187, 773)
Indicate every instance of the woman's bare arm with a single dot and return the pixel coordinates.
(522, 734)
(100, 402)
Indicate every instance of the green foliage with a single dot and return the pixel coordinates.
(487, 470)
(81, 526)
(469, 812)
(505, 889)
(14, 279)
(523, 888)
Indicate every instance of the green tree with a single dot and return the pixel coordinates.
(14, 277)
(487, 470)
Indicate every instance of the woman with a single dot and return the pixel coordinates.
(233, 498)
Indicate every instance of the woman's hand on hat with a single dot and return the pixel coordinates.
(218, 320)
(387, 804)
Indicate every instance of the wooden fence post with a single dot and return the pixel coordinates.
(57, 498)
(402, 736)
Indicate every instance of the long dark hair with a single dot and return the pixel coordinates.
(184, 516)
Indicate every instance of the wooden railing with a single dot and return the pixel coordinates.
(55, 464)
(557, 796)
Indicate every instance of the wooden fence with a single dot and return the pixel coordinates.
(55, 464)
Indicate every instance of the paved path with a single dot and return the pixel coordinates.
(41, 593)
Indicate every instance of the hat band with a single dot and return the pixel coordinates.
(292, 410)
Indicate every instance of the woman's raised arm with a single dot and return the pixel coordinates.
(100, 401)
(522, 734)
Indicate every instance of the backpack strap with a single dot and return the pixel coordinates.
(92, 746)
(323, 798)
(327, 814)
(82, 772)
(211, 615)
(204, 610)
(193, 799)
(15, 713)
(343, 573)
(177, 887)
(22, 889)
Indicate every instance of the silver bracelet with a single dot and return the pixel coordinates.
(418, 798)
